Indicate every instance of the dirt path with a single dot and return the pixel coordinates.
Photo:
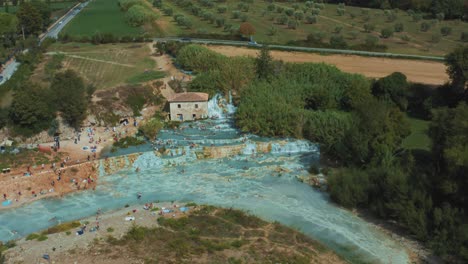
(419, 71)
(164, 63)
(91, 59)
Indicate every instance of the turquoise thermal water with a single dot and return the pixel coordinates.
(263, 184)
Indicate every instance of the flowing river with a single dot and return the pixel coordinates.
(210, 162)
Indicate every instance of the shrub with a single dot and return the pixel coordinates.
(316, 37)
(222, 9)
(32, 236)
(127, 4)
(338, 29)
(445, 31)
(371, 40)
(289, 12)
(220, 21)
(435, 38)
(399, 27)
(151, 128)
(271, 7)
(299, 15)
(353, 34)
(349, 187)
(168, 11)
(464, 36)
(283, 20)
(425, 26)
(315, 11)
(386, 32)
(272, 31)
(416, 17)
(236, 14)
(243, 17)
(292, 24)
(279, 9)
(311, 19)
(369, 27)
(440, 16)
(340, 11)
(338, 42)
(138, 15)
(405, 38)
(391, 16)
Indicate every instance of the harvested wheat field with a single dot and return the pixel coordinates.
(419, 71)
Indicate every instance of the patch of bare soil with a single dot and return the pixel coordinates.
(419, 71)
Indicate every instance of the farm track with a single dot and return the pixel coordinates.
(91, 59)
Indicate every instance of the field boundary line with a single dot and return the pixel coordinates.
(303, 49)
(91, 59)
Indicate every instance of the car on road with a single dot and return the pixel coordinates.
(186, 39)
(60, 22)
(253, 43)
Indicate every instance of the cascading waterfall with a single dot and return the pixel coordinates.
(258, 175)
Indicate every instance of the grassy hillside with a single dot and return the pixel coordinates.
(106, 66)
(210, 235)
(349, 24)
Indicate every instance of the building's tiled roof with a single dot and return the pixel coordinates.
(189, 97)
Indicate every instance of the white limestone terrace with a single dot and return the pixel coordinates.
(262, 183)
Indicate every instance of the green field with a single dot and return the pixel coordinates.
(108, 65)
(352, 24)
(418, 139)
(101, 16)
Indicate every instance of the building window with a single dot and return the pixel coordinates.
(194, 116)
(180, 117)
(178, 106)
(196, 105)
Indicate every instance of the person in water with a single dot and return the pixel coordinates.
(139, 196)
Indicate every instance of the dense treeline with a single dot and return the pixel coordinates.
(34, 108)
(451, 9)
(360, 124)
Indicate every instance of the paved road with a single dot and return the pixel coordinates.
(55, 30)
(51, 33)
(298, 48)
(8, 71)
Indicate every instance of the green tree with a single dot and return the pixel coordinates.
(31, 110)
(392, 88)
(29, 18)
(70, 97)
(338, 42)
(8, 29)
(445, 31)
(311, 19)
(386, 32)
(378, 132)
(369, 27)
(399, 27)
(457, 69)
(349, 187)
(264, 63)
